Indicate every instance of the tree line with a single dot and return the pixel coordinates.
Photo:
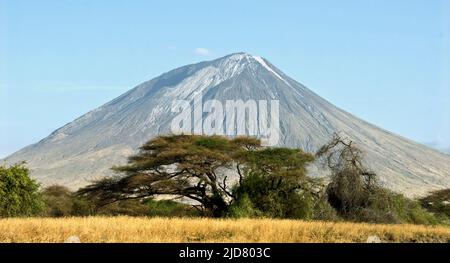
(215, 176)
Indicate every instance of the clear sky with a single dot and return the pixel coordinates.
(385, 61)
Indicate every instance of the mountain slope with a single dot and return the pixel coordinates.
(86, 148)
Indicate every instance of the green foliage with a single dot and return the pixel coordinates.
(213, 143)
(195, 161)
(280, 161)
(272, 196)
(356, 195)
(129, 207)
(323, 211)
(82, 206)
(148, 207)
(274, 184)
(19, 194)
(438, 203)
(409, 211)
(169, 208)
(243, 208)
(60, 202)
(196, 165)
(385, 206)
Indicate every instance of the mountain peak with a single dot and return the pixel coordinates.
(242, 60)
(86, 148)
(237, 58)
(240, 57)
(244, 54)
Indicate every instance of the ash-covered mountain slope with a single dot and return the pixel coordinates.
(86, 148)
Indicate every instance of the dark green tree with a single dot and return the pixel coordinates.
(19, 194)
(438, 202)
(58, 201)
(275, 184)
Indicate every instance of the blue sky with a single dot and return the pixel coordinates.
(387, 62)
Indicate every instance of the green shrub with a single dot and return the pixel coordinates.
(322, 210)
(438, 203)
(169, 208)
(243, 208)
(385, 206)
(19, 194)
(409, 211)
(129, 207)
(299, 205)
(273, 196)
(81, 206)
(355, 193)
(58, 201)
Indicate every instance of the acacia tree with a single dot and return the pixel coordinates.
(179, 165)
(190, 166)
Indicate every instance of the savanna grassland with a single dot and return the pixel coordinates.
(141, 229)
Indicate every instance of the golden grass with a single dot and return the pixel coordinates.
(131, 229)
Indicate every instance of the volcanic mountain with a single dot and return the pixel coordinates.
(86, 148)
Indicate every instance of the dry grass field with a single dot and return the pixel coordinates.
(130, 229)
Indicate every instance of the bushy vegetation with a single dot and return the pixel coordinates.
(269, 183)
(272, 182)
(19, 194)
(192, 167)
(355, 193)
(261, 195)
(58, 201)
(61, 202)
(170, 208)
(438, 203)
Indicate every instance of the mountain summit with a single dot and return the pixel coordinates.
(86, 148)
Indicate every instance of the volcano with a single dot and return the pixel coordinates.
(86, 148)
